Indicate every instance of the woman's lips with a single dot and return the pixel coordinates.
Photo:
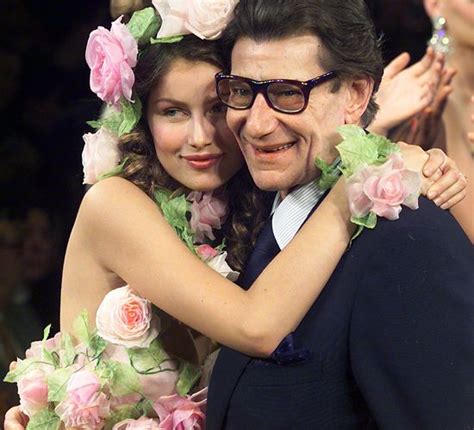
(202, 161)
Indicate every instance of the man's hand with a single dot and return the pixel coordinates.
(443, 181)
(15, 419)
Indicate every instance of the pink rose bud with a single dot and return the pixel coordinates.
(142, 423)
(205, 19)
(206, 252)
(111, 56)
(124, 318)
(33, 392)
(85, 405)
(207, 212)
(100, 154)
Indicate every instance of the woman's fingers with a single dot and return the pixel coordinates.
(397, 65)
(15, 419)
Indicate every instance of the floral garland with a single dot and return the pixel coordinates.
(377, 181)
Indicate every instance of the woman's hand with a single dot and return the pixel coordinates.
(443, 182)
(404, 92)
(15, 419)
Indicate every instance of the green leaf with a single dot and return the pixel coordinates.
(120, 121)
(68, 348)
(23, 367)
(94, 124)
(369, 221)
(57, 384)
(144, 24)
(148, 360)
(351, 131)
(175, 211)
(46, 332)
(385, 147)
(80, 327)
(97, 345)
(116, 170)
(358, 232)
(121, 413)
(329, 174)
(188, 376)
(144, 407)
(44, 420)
(130, 115)
(47, 355)
(125, 379)
(169, 39)
(356, 152)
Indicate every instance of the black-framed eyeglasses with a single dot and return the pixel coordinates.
(283, 95)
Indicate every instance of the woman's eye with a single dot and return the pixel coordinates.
(173, 113)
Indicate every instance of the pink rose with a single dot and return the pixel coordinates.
(100, 154)
(85, 405)
(142, 423)
(207, 212)
(36, 348)
(33, 392)
(124, 318)
(111, 56)
(181, 413)
(205, 19)
(383, 189)
(153, 385)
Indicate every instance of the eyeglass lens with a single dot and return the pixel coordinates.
(239, 94)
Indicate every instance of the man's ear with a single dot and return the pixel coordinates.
(432, 8)
(359, 93)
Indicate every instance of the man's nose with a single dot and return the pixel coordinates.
(261, 120)
(200, 134)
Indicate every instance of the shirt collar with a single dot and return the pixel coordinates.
(290, 213)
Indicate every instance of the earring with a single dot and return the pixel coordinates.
(440, 40)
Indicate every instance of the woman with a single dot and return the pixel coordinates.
(454, 23)
(183, 143)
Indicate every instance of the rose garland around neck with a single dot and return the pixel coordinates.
(377, 181)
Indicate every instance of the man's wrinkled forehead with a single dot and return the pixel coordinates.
(269, 56)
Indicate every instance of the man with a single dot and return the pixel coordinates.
(390, 342)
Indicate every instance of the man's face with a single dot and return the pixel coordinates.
(279, 148)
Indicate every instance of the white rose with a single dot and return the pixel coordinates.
(205, 19)
(100, 154)
(126, 319)
(219, 264)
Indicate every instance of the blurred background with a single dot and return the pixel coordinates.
(44, 103)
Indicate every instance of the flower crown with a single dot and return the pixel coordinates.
(112, 55)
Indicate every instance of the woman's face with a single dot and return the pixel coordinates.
(187, 122)
(459, 16)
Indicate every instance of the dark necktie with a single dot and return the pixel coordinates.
(265, 250)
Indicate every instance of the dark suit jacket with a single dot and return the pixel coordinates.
(391, 340)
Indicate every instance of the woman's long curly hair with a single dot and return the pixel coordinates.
(248, 205)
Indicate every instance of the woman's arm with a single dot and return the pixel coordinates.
(125, 234)
(121, 238)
